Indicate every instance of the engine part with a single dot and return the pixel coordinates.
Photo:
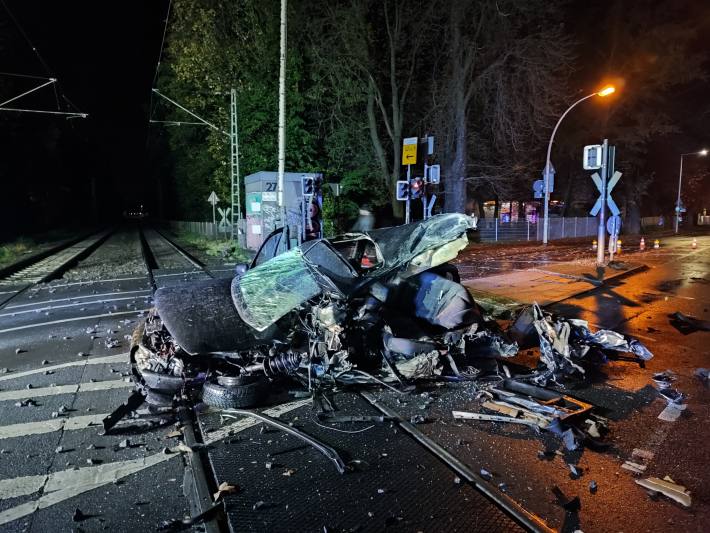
(280, 364)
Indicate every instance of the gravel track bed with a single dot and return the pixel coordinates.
(165, 255)
(120, 256)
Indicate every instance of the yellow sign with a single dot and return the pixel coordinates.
(409, 151)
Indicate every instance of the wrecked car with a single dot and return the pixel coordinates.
(357, 308)
(379, 307)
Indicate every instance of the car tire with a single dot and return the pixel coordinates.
(237, 395)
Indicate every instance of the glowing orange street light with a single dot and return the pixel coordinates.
(606, 91)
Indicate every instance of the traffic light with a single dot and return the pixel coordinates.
(307, 185)
(416, 187)
(402, 190)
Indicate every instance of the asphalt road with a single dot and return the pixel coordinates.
(63, 345)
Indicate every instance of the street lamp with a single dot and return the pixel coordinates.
(702, 152)
(606, 91)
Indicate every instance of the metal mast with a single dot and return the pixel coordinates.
(234, 169)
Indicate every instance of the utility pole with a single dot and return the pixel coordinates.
(601, 230)
(282, 114)
(234, 169)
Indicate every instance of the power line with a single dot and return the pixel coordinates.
(24, 76)
(22, 32)
(160, 55)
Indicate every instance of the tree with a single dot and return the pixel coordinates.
(499, 82)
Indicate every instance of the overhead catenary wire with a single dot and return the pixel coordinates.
(66, 113)
(50, 77)
(160, 56)
(51, 81)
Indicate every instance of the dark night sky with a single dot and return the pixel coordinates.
(104, 55)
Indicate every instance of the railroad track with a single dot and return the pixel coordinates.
(50, 267)
(159, 252)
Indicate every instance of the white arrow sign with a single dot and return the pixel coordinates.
(596, 178)
(213, 198)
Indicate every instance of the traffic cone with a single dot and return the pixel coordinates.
(594, 245)
(642, 245)
(656, 244)
(695, 243)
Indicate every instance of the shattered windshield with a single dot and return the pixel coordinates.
(268, 292)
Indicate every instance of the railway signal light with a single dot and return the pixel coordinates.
(307, 185)
(402, 192)
(416, 187)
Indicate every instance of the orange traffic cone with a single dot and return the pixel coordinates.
(656, 244)
(695, 243)
(642, 245)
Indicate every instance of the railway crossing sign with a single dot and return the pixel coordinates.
(224, 213)
(609, 200)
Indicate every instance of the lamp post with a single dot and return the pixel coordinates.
(702, 152)
(545, 225)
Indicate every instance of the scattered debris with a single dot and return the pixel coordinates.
(125, 443)
(258, 505)
(639, 461)
(29, 402)
(45, 362)
(224, 488)
(703, 374)
(288, 472)
(4, 370)
(20, 350)
(667, 487)
(687, 324)
(78, 516)
(593, 487)
(82, 354)
(485, 474)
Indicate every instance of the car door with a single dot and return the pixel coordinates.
(275, 243)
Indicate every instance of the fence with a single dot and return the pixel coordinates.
(491, 229)
(200, 228)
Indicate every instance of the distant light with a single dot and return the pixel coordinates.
(703, 152)
(606, 91)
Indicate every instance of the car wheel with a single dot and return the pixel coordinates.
(235, 392)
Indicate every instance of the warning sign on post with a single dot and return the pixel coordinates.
(409, 151)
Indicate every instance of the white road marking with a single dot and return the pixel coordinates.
(63, 389)
(75, 319)
(43, 302)
(109, 359)
(75, 304)
(60, 486)
(13, 431)
(90, 282)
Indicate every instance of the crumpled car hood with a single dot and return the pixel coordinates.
(423, 245)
